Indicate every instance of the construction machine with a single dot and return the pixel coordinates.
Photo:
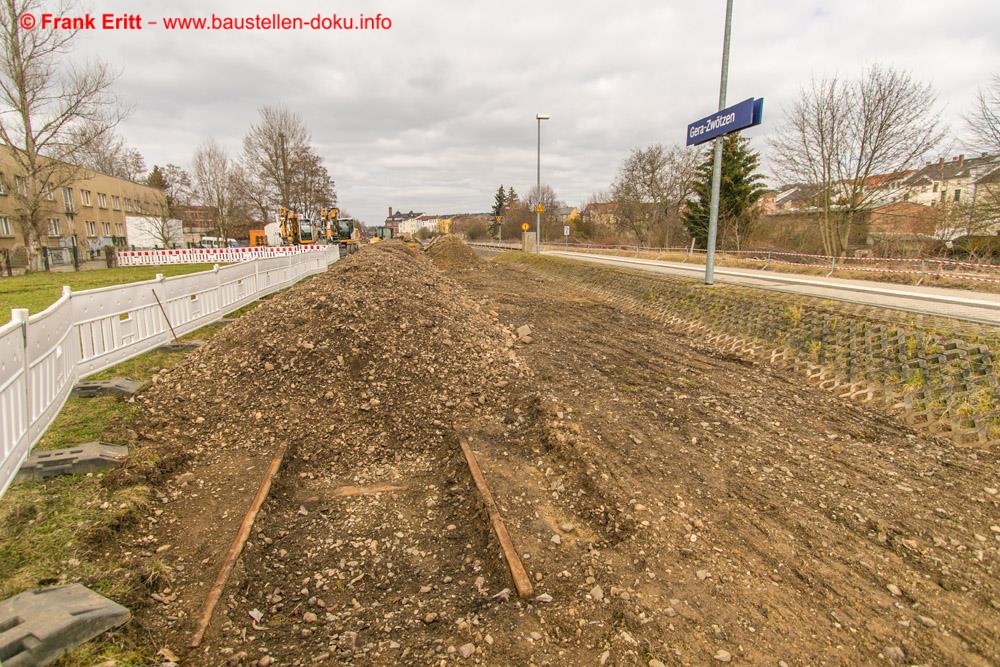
(295, 230)
(345, 232)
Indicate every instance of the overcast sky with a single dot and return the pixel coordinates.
(435, 112)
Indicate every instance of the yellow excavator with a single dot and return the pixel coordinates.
(295, 231)
(345, 232)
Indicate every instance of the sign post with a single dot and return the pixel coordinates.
(566, 234)
(745, 114)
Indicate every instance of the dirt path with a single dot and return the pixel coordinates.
(670, 504)
(759, 516)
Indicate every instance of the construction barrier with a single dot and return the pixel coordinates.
(209, 255)
(937, 267)
(43, 355)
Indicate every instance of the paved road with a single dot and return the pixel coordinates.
(961, 304)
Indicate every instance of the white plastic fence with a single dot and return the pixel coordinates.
(209, 255)
(42, 356)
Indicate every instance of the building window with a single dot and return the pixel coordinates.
(68, 199)
(128, 204)
(934, 189)
(21, 185)
(3, 185)
(107, 228)
(54, 227)
(5, 228)
(102, 200)
(958, 195)
(49, 194)
(85, 197)
(116, 202)
(119, 229)
(91, 228)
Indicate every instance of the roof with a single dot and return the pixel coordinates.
(956, 168)
(796, 193)
(601, 207)
(878, 180)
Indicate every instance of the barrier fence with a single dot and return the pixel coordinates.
(929, 266)
(209, 255)
(43, 355)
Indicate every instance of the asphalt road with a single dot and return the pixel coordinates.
(982, 307)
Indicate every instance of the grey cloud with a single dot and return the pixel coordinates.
(436, 112)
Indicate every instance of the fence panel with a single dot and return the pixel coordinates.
(42, 356)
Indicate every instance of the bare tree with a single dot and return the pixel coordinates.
(218, 185)
(42, 104)
(312, 187)
(107, 153)
(551, 222)
(272, 149)
(984, 121)
(651, 187)
(178, 192)
(840, 134)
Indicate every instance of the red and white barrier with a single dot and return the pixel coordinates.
(209, 255)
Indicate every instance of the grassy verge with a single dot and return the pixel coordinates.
(61, 530)
(37, 291)
(56, 531)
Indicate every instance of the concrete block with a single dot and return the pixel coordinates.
(185, 346)
(119, 386)
(38, 627)
(77, 460)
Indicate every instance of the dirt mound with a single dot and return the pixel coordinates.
(451, 253)
(370, 372)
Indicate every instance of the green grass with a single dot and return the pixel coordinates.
(47, 528)
(85, 419)
(51, 531)
(37, 291)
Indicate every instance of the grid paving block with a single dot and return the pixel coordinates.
(180, 346)
(118, 386)
(76, 460)
(38, 627)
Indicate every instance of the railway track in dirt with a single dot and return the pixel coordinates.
(681, 506)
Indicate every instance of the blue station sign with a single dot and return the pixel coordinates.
(747, 113)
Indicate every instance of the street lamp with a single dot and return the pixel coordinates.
(538, 215)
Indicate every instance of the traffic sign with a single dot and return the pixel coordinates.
(525, 227)
(565, 230)
(747, 113)
(497, 218)
(539, 208)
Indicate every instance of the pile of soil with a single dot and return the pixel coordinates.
(450, 253)
(370, 373)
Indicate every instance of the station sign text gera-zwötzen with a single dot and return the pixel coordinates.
(747, 113)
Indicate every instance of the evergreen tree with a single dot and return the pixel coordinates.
(499, 201)
(499, 204)
(741, 187)
(511, 196)
(156, 179)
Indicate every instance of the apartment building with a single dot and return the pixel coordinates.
(89, 212)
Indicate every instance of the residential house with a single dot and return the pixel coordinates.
(795, 197)
(953, 181)
(394, 220)
(600, 213)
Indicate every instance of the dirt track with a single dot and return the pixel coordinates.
(675, 504)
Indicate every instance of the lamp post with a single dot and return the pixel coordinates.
(538, 216)
(713, 211)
